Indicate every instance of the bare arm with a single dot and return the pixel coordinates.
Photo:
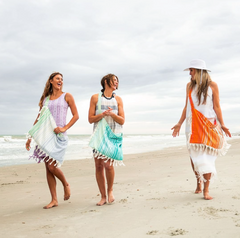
(70, 101)
(177, 127)
(217, 107)
(91, 113)
(120, 118)
(28, 143)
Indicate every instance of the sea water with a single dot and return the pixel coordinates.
(13, 152)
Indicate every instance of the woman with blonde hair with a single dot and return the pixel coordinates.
(49, 133)
(204, 125)
(107, 114)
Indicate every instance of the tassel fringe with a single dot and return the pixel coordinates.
(205, 148)
(98, 155)
(40, 156)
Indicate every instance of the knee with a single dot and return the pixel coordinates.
(109, 167)
(51, 168)
(99, 165)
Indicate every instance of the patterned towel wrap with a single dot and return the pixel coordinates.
(49, 146)
(205, 135)
(105, 143)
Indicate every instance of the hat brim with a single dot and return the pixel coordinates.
(196, 68)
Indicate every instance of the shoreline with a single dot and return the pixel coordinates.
(154, 196)
(76, 155)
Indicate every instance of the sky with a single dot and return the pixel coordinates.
(147, 44)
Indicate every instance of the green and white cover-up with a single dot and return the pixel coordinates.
(49, 146)
(107, 136)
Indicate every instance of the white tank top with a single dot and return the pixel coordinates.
(205, 109)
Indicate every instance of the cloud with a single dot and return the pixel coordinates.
(147, 44)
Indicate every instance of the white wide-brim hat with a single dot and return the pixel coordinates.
(197, 64)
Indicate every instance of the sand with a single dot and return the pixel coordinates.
(154, 198)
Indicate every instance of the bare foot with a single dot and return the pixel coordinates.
(67, 192)
(199, 188)
(102, 202)
(207, 196)
(111, 198)
(51, 205)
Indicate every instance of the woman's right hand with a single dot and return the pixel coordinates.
(176, 130)
(28, 144)
(108, 112)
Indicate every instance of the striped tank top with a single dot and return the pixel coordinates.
(112, 103)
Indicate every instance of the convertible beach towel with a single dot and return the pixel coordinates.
(105, 143)
(205, 135)
(50, 146)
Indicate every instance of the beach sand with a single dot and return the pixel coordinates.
(154, 198)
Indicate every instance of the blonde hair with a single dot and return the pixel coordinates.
(48, 88)
(202, 85)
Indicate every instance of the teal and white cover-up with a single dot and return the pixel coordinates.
(106, 143)
(49, 146)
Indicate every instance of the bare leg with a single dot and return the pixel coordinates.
(52, 187)
(199, 182)
(99, 165)
(110, 173)
(206, 187)
(52, 172)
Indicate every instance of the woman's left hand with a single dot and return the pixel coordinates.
(176, 130)
(226, 130)
(108, 112)
(58, 130)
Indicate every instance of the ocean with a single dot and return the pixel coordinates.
(13, 152)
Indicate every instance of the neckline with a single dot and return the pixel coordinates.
(108, 97)
(55, 98)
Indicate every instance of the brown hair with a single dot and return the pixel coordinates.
(202, 87)
(48, 88)
(109, 80)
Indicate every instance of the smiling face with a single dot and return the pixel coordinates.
(114, 83)
(192, 72)
(57, 82)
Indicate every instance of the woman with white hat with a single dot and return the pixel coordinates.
(204, 125)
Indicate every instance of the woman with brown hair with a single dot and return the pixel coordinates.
(49, 133)
(107, 107)
(202, 98)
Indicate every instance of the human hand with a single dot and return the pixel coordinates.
(226, 130)
(28, 144)
(176, 130)
(59, 130)
(108, 112)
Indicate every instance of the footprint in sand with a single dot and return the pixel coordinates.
(154, 232)
(123, 200)
(236, 197)
(177, 232)
(161, 198)
(89, 211)
(211, 212)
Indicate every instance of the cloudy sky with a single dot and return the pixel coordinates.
(147, 44)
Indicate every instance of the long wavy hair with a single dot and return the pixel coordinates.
(109, 80)
(202, 87)
(48, 88)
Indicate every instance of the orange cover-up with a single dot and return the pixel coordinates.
(205, 134)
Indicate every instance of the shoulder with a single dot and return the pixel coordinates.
(188, 86)
(94, 98)
(118, 99)
(213, 86)
(68, 97)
